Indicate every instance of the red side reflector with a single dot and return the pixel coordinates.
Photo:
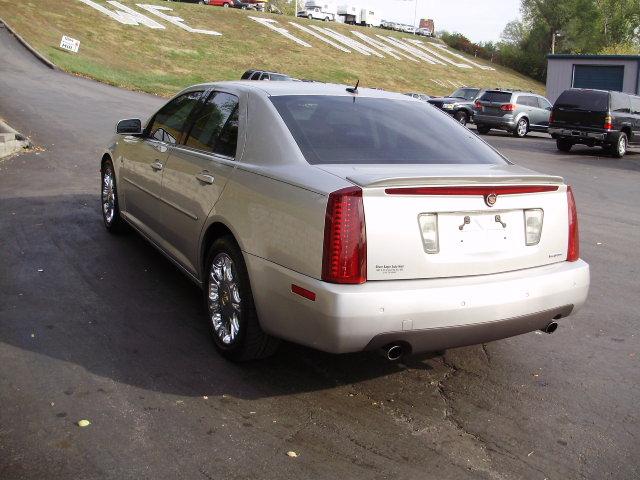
(303, 292)
(479, 190)
(573, 249)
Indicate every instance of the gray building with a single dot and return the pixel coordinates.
(606, 72)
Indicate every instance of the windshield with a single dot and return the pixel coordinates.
(348, 130)
(586, 100)
(466, 93)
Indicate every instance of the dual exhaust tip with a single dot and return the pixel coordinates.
(395, 351)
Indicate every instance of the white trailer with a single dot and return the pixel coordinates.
(354, 14)
(319, 10)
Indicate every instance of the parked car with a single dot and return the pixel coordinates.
(459, 104)
(322, 214)
(219, 3)
(596, 118)
(265, 75)
(425, 32)
(511, 110)
(419, 96)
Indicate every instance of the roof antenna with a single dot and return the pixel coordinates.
(354, 89)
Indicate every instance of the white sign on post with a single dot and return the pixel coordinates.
(70, 44)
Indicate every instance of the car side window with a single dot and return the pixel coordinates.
(167, 125)
(255, 76)
(620, 102)
(214, 128)
(544, 103)
(265, 76)
(528, 101)
(635, 105)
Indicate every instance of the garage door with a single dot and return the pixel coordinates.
(598, 76)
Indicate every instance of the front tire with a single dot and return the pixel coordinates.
(563, 144)
(522, 127)
(462, 117)
(111, 217)
(619, 148)
(232, 318)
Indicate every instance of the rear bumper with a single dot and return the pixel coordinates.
(581, 136)
(426, 315)
(505, 123)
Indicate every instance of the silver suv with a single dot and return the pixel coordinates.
(514, 111)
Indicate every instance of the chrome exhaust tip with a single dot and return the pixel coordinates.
(551, 327)
(393, 352)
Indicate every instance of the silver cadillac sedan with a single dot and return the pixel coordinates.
(345, 219)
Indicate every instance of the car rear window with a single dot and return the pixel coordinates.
(587, 100)
(348, 130)
(496, 97)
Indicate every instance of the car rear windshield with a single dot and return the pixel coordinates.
(348, 130)
(586, 100)
(496, 97)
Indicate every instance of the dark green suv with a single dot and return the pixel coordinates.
(596, 118)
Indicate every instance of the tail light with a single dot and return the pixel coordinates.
(508, 107)
(573, 250)
(608, 123)
(345, 243)
(478, 105)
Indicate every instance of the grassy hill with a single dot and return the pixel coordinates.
(164, 61)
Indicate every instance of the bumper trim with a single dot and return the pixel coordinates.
(442, 338)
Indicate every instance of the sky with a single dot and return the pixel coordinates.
(478, 20)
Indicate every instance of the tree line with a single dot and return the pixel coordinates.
(565, 26)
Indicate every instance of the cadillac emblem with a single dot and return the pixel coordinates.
(490, 199)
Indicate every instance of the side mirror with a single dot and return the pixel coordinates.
(130, 126)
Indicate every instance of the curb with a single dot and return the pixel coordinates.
(11, 141)
(35, 53)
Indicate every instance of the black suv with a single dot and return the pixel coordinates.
(596, 118)
(459, 103)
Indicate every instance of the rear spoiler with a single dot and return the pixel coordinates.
(372, 180)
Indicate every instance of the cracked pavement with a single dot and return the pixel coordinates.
(103, 328)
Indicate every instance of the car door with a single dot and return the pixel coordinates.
(545, 108)
(196, 173)
(143, 159)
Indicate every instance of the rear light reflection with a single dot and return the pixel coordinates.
(533, 219)
(429, 230)
(345, 247)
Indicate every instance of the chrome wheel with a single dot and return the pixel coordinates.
(108, 195)
(622, 145)
(225, 304)
(522, 128)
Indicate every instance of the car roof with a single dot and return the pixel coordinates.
(303, 88)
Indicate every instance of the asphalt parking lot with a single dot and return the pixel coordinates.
(103, 328)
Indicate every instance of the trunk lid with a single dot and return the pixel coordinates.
(473, 237)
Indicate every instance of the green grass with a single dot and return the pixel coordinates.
(165, 61)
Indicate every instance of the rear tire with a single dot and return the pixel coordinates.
(619, 148)
(522, 127)
(482, 130)
(232, 317)
(462, 117)
(563, 144)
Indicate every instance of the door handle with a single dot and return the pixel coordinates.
(205, 177)
(157, 166)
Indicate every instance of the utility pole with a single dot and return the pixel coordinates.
(415, 16)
